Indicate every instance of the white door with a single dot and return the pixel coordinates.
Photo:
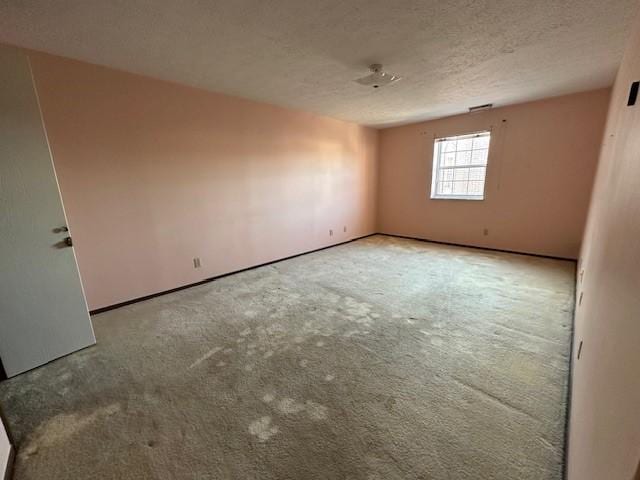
(5, 450)
(43, 313)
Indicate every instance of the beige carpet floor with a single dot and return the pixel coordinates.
(381, 359)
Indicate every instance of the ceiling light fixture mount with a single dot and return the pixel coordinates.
(378, 77)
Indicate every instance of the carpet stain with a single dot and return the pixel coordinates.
(288, 406)
(268, 398)
(315, 410)
(263, 429)
(206, 356)
(61, 428)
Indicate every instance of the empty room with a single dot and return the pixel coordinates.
(331, 240)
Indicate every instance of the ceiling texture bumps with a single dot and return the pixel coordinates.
(306, 54)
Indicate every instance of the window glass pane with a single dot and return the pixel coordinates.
(476, 188)
(445, 188)
(449, 146)
(448, 159)
(461, 174)
(479, 157)
(465, 144)
(447, 174)
(460, 188)
(476, 173)
(481, 142)
(463, 158)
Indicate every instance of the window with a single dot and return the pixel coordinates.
(460, 166)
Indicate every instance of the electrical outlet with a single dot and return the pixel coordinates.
(485, 232)
(331, 233)
(345, 229)
(196, 262)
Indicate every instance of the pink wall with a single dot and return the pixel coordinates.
(542, 161)
(153, 174)
(604, 431)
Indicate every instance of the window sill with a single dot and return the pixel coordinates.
(457, 197)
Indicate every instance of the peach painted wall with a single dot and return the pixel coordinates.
(604, 430)
(153, 174)
(542, 161)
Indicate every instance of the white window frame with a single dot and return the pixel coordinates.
(437, 168)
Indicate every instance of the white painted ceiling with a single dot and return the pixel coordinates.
(305, 54)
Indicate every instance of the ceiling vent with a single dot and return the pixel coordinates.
(479, 108)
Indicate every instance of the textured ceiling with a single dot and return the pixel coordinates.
(305, 54)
